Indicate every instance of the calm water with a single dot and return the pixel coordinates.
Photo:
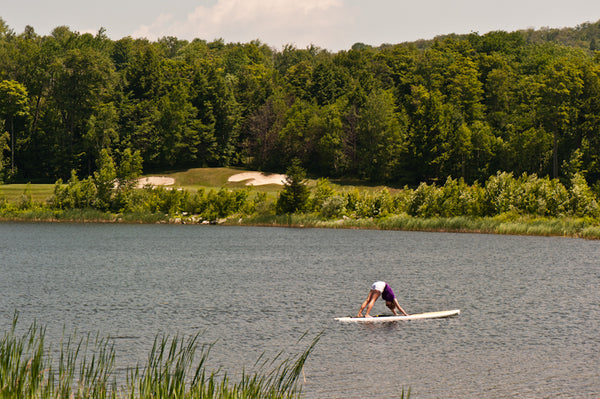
(529, 327)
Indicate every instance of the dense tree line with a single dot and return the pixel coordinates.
(462, 106)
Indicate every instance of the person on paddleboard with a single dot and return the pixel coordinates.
(381, 288)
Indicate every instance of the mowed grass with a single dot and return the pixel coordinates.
(212, 178)
(14, 192)
(191, 180)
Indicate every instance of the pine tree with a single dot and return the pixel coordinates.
(294, 195)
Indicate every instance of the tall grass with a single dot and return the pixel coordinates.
(85, 368)
(591, 232)
(27, 371)
(42, 213)
(143, 217)
(286, 220)
(502, 224)
(506, 223)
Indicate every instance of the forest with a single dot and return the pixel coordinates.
(458, 106)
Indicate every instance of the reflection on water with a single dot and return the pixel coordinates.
(530, 307)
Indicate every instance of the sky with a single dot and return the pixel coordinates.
(328, 24)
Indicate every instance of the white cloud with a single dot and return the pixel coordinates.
(274, 22)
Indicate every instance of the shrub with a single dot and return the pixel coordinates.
(322, 193)
(76, 194)
(333, 207)
(499, 193)
(424, 201)
(582, 202)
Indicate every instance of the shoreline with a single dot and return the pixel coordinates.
(579, 228)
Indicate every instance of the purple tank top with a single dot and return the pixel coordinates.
(388, 294)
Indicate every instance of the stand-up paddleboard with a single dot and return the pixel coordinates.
(389, 318)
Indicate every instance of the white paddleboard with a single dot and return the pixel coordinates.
(389, 318)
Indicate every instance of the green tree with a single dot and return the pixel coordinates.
(330, 158)
(129, 168)
(327, 83)
(82, 85)
(295, 194)
(262, 144)
(4, 139)
(562, 86)
(183, 136)
(104, 180)
(102, 129)
(143, 74)
(219, 112)
(298, 79)
(13, 106)
(37, 65)
(299, 135)
(589, 122)
(426, 135)
(380, 137)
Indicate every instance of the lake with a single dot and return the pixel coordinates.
(530, 306)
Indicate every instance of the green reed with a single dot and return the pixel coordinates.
(27, 371)
(170, 374)
(176, 368)
(503, 224)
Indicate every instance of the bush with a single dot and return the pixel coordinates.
(224, 203)
(333, 207)
(582, 202)
(499, 194)
(321, 194)
(77, 194)
(423, 201)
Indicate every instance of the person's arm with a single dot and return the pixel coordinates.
(399, 308)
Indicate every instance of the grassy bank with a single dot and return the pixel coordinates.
(515, 225)
(176, 368)
(588, 228)
(204, 195)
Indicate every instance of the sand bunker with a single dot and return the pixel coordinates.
(258, 178)
(251, 178)
(155, 181)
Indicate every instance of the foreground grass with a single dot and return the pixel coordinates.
(176, 368)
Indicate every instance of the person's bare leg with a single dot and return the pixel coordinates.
(373, 295)
(371, 298)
